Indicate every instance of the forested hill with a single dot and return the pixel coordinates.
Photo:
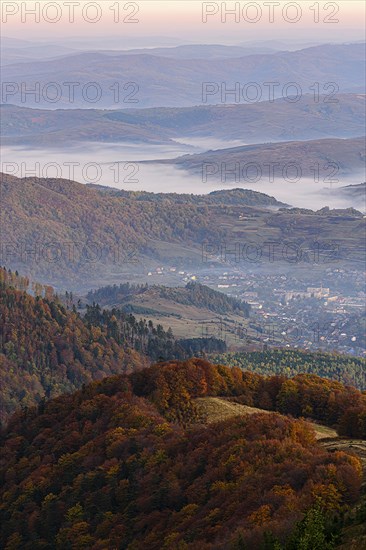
(234, 197)
(75, 237)
(113, 465)
(344, 368)
(173, 387)
(47, 349)
(193, 293)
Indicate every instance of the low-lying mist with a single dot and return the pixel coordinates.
(118, 166)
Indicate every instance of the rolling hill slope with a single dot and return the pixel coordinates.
(254, 123)
(164, 81)
(74, 236)
(124, 464)
(327, 158)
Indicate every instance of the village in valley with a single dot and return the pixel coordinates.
(324, 311)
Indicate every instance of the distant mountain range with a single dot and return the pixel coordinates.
(177, 81)
(17, 50)
(251, 124)
(59, 128)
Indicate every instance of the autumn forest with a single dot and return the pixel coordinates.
(104, 444)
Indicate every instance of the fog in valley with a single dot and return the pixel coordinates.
(119, 166)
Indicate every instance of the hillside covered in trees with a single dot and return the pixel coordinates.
(144, 337)
(192, 294)
(47, 348)
(78, 237)
(122, 463)
(344, 368)
(173, 387)
(127, 462)
(234, 197)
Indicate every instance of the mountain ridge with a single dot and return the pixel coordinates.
(159, 78)
(264, 121)
(70, 234)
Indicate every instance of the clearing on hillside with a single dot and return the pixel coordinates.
(215, 409)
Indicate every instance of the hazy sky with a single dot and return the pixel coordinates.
(188, 20)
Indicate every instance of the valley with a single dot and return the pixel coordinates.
(182, 262)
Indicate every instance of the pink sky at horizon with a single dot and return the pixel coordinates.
(183, 20)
